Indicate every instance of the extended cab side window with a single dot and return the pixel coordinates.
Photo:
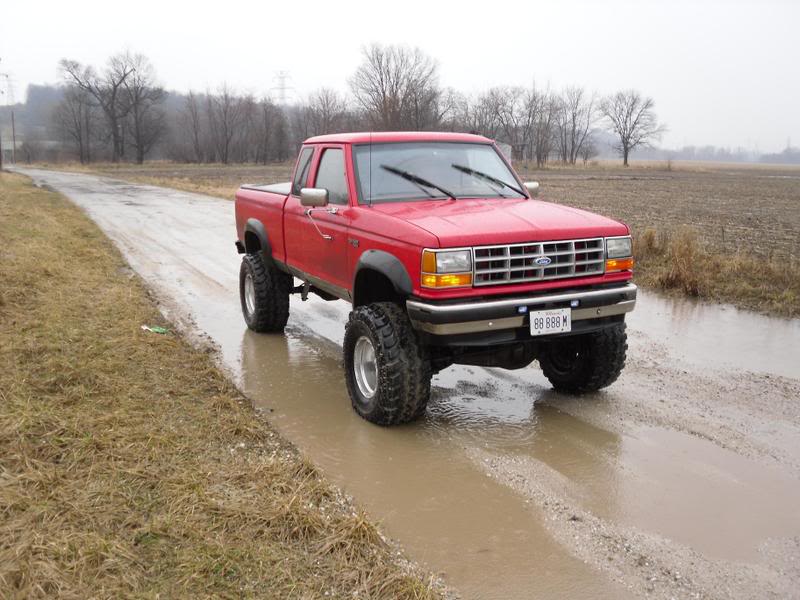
(301, 175)
(331, 176)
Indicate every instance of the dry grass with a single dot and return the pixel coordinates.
(744, 219)
(129, 466)
(680, 262)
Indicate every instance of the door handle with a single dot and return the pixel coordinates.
(325, 236)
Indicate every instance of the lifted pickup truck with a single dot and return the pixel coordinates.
(446, 258)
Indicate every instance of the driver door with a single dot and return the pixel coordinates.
(316, 240)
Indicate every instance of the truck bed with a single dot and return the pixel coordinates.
(276, 188)
(264, 204)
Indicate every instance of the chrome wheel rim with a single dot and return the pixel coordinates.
(249, 294)
(365, 366)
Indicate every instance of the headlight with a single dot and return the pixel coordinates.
(454, 262)
(619, 253)
(450, 268)
(618, 247)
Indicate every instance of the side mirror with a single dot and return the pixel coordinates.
(533, 188)
(314, 197)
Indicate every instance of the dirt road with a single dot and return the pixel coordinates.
(682, 480)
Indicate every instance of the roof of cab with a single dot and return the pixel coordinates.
(377, 137)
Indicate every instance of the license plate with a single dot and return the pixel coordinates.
(556, 320)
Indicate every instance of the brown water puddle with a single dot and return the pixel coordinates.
(676, 485)
(481, 536)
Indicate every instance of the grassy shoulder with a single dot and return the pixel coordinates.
(129, 466)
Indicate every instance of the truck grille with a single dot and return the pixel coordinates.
(516, 263)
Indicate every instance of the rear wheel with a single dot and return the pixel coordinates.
(585, 363)
(264, 294)
(387, 370)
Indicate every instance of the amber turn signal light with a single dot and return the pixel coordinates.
(430, 280)
(619, 264)
(428, 262)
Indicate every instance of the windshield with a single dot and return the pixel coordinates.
(402, 171)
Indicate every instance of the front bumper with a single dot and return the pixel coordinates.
(509, 315)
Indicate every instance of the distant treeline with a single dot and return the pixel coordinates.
(121, 113)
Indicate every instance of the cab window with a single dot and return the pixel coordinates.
(331, 176)
(301, 175)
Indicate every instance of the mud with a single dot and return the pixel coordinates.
(681, 480)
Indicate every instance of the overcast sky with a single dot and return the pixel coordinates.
(722, 73)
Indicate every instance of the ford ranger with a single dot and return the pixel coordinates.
(446, 256)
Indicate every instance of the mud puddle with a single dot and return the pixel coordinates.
(469, 490)
(482, 537)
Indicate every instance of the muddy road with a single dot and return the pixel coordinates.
(680, 481)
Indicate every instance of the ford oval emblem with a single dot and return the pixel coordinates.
(543, 261)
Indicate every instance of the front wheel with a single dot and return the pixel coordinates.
(387, 370)
(585, 363)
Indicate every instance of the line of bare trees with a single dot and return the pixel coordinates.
(122, 113)
(117, 107)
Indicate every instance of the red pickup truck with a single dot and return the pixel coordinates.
(446, 258)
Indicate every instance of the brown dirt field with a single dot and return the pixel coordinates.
(746, 210)
(129, 465)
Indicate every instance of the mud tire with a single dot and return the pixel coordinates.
(404, 367)
(271, 289)
(585, 363)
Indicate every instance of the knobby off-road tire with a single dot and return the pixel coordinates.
(401, 381)
(264, 294)
(585, 363)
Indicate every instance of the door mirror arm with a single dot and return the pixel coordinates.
(325, 236)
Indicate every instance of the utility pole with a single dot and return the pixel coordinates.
(10, 101)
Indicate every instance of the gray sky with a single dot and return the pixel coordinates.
(722, 73)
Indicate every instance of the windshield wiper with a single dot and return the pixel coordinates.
(487, 177)
(419, 181)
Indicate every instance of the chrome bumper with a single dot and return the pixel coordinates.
(511, 313)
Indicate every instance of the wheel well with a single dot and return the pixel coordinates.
(252, 245)
(373, 286)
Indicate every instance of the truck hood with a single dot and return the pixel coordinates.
(496, 221)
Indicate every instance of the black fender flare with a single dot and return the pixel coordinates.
(388, 265)
(257, 228)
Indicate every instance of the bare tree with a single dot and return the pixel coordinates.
(575, 116)
(281, 137)
(588, 151)
(513, 117)
(476, 115)
(632, 119)
(224, 111)
(269, 115)
(106, 89)
(141, 98)
(191, 119)
(397, 87)
(543, 137)
(326, 111)
(74, 118)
